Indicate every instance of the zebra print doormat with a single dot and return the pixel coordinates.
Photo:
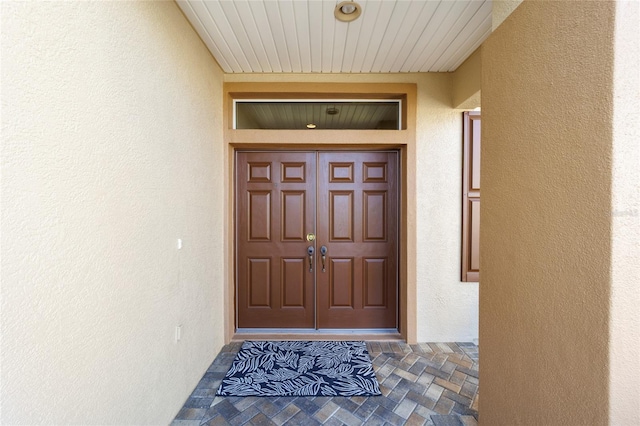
(301, 368)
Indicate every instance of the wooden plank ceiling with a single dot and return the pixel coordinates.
(321, 114)
(303, 36)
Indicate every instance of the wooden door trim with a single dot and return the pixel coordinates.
(406, 293)
(405, 91)
(408, 204)
(312, 335)
(401, 311)
(395, 181)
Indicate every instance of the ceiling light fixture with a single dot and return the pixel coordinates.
(311, 126)
(332, 111)
(347, 11)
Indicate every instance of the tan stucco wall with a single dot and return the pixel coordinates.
(547, 108)
(446, 309)
(111, 120)
(467, 81)
(624, 347)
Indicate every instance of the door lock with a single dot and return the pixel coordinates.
(310, 251)
(311, 237)
(323, 253)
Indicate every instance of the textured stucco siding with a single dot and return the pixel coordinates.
(500, 10)
(467, 82)
(447, 309)
(546, 215)
(111, 135)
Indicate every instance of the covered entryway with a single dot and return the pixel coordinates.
(317, 239)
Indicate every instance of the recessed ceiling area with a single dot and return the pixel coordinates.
(304, 36)
(344, 114)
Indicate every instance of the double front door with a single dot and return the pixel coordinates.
(317, 239)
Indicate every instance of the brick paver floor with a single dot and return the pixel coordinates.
(433, 384)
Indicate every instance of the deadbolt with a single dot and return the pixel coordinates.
(311, 237)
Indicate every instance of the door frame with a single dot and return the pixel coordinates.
(317, 154)
(403, 140)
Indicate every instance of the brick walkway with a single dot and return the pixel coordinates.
(432, 384)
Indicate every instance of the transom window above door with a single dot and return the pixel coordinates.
(292, 114)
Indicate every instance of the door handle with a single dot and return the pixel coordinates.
(323, 252)
(310, 251)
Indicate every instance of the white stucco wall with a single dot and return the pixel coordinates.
(447, 309)
(111, 135)
(624, 325)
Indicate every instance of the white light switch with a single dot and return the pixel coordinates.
(178, 333)
(179, 243)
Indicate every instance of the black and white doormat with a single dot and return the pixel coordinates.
(301, 368)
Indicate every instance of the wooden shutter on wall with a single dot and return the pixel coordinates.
(471, 197)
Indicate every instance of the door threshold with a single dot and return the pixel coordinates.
(313, 334)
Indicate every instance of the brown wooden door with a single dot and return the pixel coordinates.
(349, 200)
(275, 211)
(358, 223)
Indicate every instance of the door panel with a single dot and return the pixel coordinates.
(340, 216)
(375, 271)
(341, 282)
(351, 204)
(275, 210)
(259, 215)
(357, 222)
(375, 216)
